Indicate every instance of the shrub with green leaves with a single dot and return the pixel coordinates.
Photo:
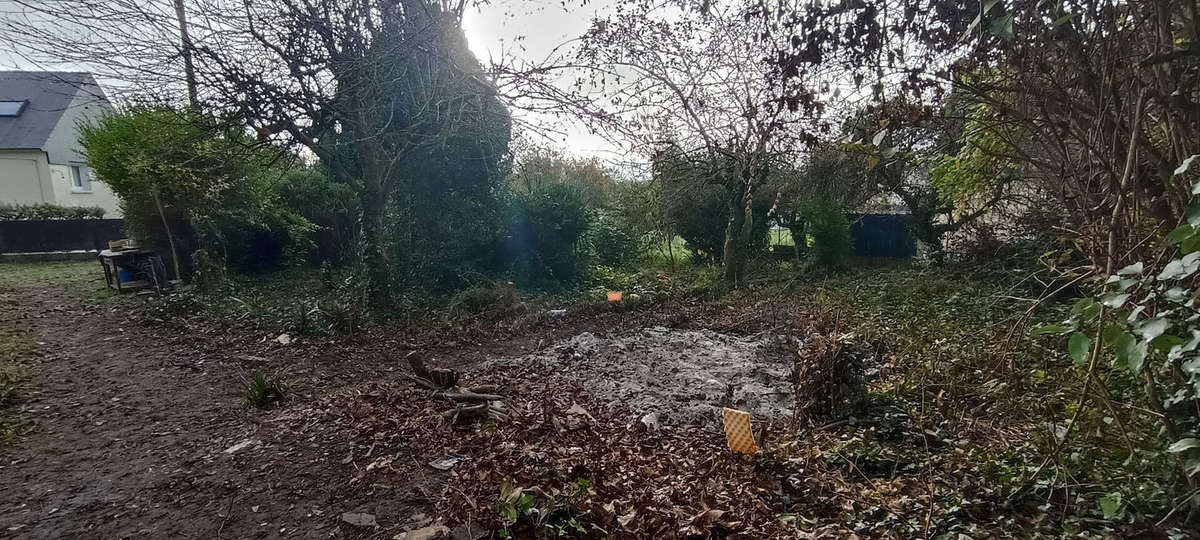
(1138, 338)
(330, 206)
(545, 228)
(609, 243)
(830, 231)
(211, 182)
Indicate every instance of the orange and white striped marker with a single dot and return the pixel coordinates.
(737, 431)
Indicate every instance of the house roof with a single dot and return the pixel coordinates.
(48, 95)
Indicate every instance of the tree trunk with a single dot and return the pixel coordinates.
(929, 233)
(374, 207)
(799, 238)
(167, 229)
(733, 254)
(185, 48)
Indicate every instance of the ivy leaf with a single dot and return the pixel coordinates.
(1178, 351)
(1181, 268)
(1114, 300)
(1183, 445)
(1110, 505)
(1180, 233)
(1152, 328)
(1193, 214)
(1183, 167)
(1111, 332)
(1058, 329)
(1002, 27)
(1191, 245)
(1086, 309)
(1129, 351)
(1135, 268)
(1166, 342)
(1178, 295)
(1078, 346)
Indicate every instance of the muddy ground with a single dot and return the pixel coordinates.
(676, 377)
(139, 429)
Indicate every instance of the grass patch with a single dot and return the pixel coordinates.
(263, 389)
(83, 279)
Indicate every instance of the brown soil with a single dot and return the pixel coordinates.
(140, 431)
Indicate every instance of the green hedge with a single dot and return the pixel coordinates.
(21, 212)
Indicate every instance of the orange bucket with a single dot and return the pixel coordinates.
(614, 296)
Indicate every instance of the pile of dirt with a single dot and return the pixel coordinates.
(675, 377)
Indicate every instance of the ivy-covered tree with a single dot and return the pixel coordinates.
(384, 92)
(900, 143)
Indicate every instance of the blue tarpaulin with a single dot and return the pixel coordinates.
(882, 235)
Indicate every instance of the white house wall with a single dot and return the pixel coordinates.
(24, 177)
(101, 195)
(62, 150)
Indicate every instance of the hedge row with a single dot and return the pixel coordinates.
(21, 212)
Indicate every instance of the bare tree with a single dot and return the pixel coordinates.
(367, 86)
(698, 81)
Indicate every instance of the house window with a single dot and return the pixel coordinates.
(11, 108)
(80, 183)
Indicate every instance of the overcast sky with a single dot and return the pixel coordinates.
(532, 29)
(529, 29)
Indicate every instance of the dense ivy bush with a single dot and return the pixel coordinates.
(545, 227)
(830, 231)
(609, 243)
(1138, 336)
(17, 212)
(330, 206)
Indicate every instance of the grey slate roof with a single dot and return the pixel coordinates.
(48, 94)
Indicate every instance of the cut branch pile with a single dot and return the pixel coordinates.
(466, 403)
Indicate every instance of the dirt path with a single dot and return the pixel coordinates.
(133, 427)
(140, 430)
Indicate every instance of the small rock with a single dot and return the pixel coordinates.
(437, 530)
(576, 410)
(360, 519)
(284, 339)
(651, 421)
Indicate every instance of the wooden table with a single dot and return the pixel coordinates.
(133, 261)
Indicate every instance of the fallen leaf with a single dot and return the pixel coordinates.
(359, 519)
(240, 446)
(447, 462)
